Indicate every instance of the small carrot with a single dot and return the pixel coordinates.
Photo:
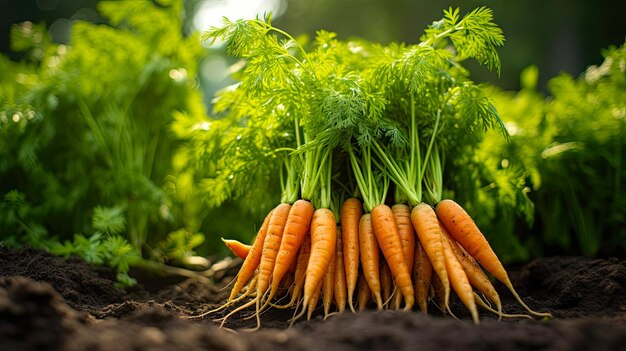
(426, 226)
(296, 227)
(439, 293)
(477, 278)
(386, 282)
(328, 284)
(422, 276)
(406, 232)
(363, 293)
(351, 213)
(240, 249)
(302, 262)
(313, 303)
(463, 229)
(386, 231)
(459, 281)
(252, 260)
(340, 291)
(323, 246)
(370, 258)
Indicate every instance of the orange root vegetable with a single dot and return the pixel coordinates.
(406, 232)
(328, 284)
(477, 278)
(439, 293)
(386, 231)
(386, 282)
(302, 262)
(426, 226)
(240, 250)
(370, 258)
(340, 291)
(252, 260)
(459, 281)
(363, 293)
(351, 213)
(323, 246)
(422, 276)
(463, 229)
(296, 227)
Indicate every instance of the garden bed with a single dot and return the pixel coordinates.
(48, 302)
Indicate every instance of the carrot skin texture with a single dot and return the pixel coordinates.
(386, 282)
(351, 212)
(370, 258)
(363, 293)
(270, 248)
(477, 278)
(296, 227)
(427, 228)
(463, 229)
(253, 259)
(238, 248)
(422, 276)
(386, 231)
(323, 246)
(328, 285)
(340, 291)
(402, 214)
(459, 281)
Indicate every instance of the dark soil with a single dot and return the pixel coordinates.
(50, 303)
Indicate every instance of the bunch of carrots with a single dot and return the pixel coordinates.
(364, 119)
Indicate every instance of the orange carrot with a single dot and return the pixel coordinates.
(463, 229)
(426, 226)
(351, 213)
(459, 281)
(422, 276)
(340, 291)
(477, 278)
(386, 282)
(370, 258)
(439, 292)
(240, 250)
(302, 262)
(328, 284)
(296, 227)
(386, 231)
(323, 246)
(363, 293)
(252, 260)
(313, 303)
(402, 213)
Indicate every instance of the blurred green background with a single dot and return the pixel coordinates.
(555, 35)
(110, 142)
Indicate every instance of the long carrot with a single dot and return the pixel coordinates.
(323, 246)
(370, 258)
(340, 291)
(459, 281)
(426, 226)
(402, 214)
(296, 227)
(463, 229)
(422, 276)
(477, 278)
(252, 260)
(351, 213)
(386, 231)
(240, 249)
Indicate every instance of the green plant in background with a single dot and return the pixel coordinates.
(568, 150)
(85, 133)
